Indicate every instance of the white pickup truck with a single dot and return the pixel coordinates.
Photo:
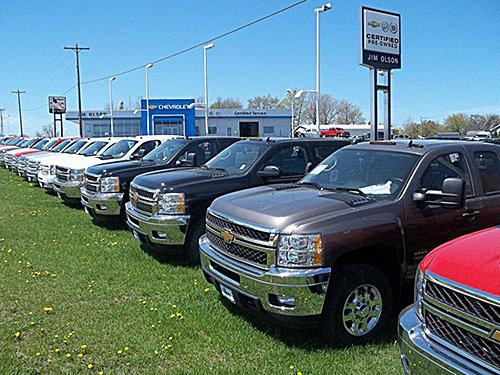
(69, 173)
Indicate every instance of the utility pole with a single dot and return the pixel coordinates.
(1, 121)
(20, 111)
(77, 50)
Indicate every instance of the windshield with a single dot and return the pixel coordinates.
(28, 143)
(61, 145)
(377, 174)
(238, 157)
(40, 144)
(49, 145)
(94, 148)
(118, 150)
(163, 153)
(75, 147)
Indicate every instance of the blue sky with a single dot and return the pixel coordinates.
(450, 53)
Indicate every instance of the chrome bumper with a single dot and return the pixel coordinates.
(420, 355)
(46, 180)
(305, 287)
(102, 203)
(31, 175)
(68, 189)
(159, 229)
(21, 171)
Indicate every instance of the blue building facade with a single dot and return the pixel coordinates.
(168, 117)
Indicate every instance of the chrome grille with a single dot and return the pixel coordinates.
(62, 173)
(238, 229)
(254, 256)
(91, 183)
(485, 350)
(144, 201)
(468, 304)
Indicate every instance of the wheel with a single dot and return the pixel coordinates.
(357, 305)
(196, 229)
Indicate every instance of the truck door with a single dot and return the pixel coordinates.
(487, 163)
(291, 160)
(428, 226)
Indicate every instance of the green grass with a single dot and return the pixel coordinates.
(127, 310)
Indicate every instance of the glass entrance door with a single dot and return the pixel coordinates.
(168, 125)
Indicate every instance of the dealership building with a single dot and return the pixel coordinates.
(180, 117)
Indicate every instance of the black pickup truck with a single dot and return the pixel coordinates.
(105, 187)
(337, 249)
(168, 207)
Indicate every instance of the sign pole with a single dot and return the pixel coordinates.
(374, 107)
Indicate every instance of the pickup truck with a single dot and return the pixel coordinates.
(169, 207)
(105, 186)
(454, 324)
(31, 145)
(69, 173)
(336, 250)
(22, 164)
(334, 132)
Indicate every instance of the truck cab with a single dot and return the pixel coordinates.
(335, 250)
(168, 207)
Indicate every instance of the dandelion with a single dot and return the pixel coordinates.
(90, 366)
(48, 309)
(17, 334)
(100, 373)
(299, 373)
(83, 346)
(80, 355)
(292, 367)
(68, 355)
(126, 348)
(206, 290)
(57, 350)
(37, 354)
(120, 351)
(156, 352)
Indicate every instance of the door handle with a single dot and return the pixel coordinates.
(470, 214)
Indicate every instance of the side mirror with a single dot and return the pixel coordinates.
(138, 155)
(309, 168)
(269, 172)
(452, 195)
(190, 161)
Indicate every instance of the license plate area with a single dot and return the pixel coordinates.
(227, 293)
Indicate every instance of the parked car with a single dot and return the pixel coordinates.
(22, 163)
(334, 132)
(302, 131)
(454, 324)
(336, 249)
(105, 188)
(12, 157)
(69, 174)
(9, 145)
(169, 207)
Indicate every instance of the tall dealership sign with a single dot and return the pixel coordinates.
(57, 106)
(381, 52)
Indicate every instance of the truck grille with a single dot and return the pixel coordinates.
(144, 201)
(486, 350)
(463, 318)
(62, 173)
(238, 229)
(470, 305)
(254, 256)
(91, 183)
(33, 166)
(248, 245)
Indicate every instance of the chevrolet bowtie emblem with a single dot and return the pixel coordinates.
(153, 106)
(373, 24)
(496, 335)
(227, 236)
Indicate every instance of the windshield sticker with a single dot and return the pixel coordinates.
(377, 189)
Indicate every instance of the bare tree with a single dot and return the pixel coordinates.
(222, 103)
(264, 101)
(328, 110)
(47, 131)
(349, 113)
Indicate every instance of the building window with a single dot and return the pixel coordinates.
(268, 130)
(212, 130)
(229, 132)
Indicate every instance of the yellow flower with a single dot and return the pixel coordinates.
(68, 355)
(80, 355)
(100, 373)
(120, 351)
(83, 346)
(206, 290)
(125, 348)
(90, 365)
(48, 309)
(56, 350)
(37, 354)
(299, 373)
(17, 334)
(292, 367)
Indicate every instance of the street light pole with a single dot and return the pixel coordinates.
(292, 97)
(324, 8)
(147, 67)
(18, 93)
(111, 103)
(205, 48)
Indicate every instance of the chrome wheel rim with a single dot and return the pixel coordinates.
(362, 310)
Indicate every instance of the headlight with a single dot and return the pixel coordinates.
(76, 174)
(172, 203)
(300, 250)
(52, 170)
(419, 293)
(110, 185)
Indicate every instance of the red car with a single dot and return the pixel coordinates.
(334, 132)
(454, 324)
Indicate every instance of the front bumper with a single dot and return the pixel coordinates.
(108, 204)
(46, 180)
(21, 171)
(421, 355)
(70, 189)
(157, 229)
(265, 291)
(32, 175)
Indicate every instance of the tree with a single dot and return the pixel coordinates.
(458, 122)
(262, 102)
(298, 105)
(223, 103)
(426, 128)
(47, 131)
(349, 113)
(483, 122)
(328, 110)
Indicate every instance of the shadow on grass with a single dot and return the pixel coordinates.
(110, 224)
(310, 339)
(173, 255)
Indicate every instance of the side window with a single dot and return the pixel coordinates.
(148, 146)
(443, 167)
(321, 152)
(291, 160)
(489, 170)
(204, 151)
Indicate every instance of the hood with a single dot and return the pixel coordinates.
(56, 158)
(39, 155)
(168, 179)
(284, 207)
(81, 162)
(8, 148)
(25, 151)
(110, 167)
(472, 260)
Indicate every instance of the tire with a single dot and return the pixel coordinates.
(374, 287)
(196, 229)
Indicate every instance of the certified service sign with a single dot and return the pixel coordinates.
(380, 39)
